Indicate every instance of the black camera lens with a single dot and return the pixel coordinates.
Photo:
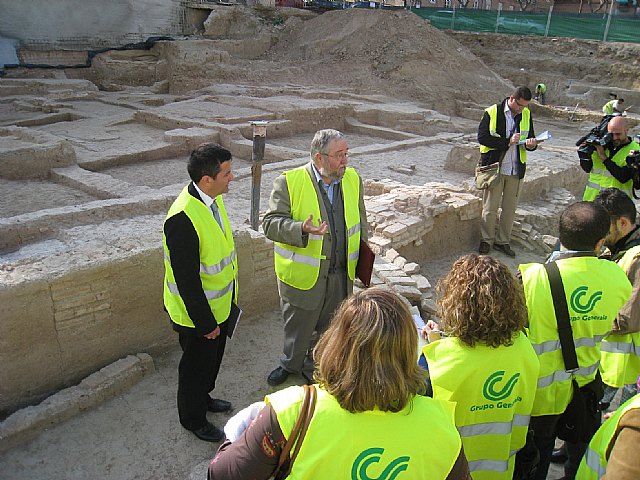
(585, 152)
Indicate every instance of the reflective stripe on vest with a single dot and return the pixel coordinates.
(600, 177)
(620, 361)
(367, 443)
(595, 290)
(594, 463)
(300, 266)
(218, 263)
(620, 347)
(493, 399)
(552, 345)
(525, 122)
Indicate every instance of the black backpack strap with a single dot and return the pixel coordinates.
(562, 317)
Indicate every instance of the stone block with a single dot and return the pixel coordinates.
(550, 240)
(428, 306)
(384, 267)
(409, 292)
(421, 282)
(400, 262)
(394, 230)
(401, 280)
(411, 268)
(391, 254)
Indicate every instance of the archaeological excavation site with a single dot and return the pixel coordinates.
(95, 133)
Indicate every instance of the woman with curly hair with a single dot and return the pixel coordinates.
(370, 419)
(485, 363)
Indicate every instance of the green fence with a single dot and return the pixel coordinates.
(591, 26)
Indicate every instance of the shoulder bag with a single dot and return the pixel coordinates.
(486, 175)
(581, 418)
(285, 463)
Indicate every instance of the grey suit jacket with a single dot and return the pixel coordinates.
(280, 227)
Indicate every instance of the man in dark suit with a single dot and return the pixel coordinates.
(200, 285)
(316, 218)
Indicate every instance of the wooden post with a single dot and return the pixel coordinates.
(259, 138)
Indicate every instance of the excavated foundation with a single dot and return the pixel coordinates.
(88, 176)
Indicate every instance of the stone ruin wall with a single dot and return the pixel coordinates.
(82, 320)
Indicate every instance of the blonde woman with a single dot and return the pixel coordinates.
(370, 420)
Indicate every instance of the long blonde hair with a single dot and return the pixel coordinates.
(367, 358)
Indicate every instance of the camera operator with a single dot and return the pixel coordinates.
(605, 159)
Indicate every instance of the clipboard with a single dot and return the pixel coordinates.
(364, 268)
(234, 317)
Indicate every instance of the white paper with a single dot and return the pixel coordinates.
(546, 135)
(419, 325)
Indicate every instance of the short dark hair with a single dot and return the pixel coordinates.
(583, 225)
(617, 203)
(523, 93)
(206, 160)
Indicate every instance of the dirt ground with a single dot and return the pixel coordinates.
(395, 54)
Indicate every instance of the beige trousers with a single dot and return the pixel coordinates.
(504, 194)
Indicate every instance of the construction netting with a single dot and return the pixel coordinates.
(594, 26)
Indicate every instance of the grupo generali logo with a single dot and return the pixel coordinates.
(496, 389)
(582, 303)
(360, 468)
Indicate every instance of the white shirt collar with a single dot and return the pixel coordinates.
(205, 198)
(507, 110)
(316, 172)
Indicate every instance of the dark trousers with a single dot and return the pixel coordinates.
(197, 373)
(575, 452)
(545, 438)
(544, 429)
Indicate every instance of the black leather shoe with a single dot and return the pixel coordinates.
(484, 248)
(559, 455)
(218, 406)
(506, 249)
(209, 433)
(278, 376)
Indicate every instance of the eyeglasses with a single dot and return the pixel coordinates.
(518, 103)
(339, 155)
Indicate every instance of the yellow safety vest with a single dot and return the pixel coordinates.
(218, 264)
(600, 177)
(525, 123)
(595, 290)
(594, 463)
(418, 443)
(300, 266)
(608, 108)
(620, 360)
(494, 390)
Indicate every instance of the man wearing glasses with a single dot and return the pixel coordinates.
(505, 135)
(316, 219)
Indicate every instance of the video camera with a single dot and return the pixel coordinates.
(598, 135)
(633, 161)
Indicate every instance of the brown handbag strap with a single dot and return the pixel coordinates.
(299, 431)
(311, 390)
